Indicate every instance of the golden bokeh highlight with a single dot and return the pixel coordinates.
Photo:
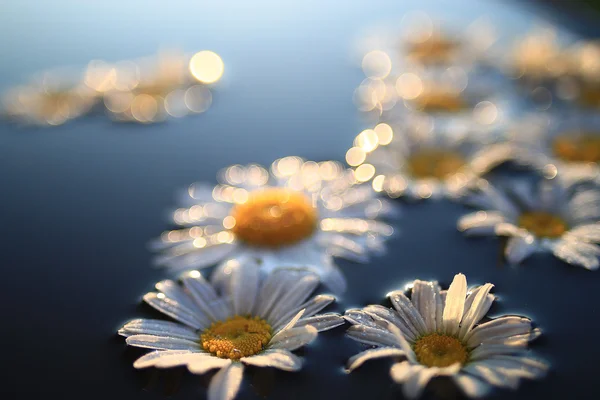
(442, 100)
(376, 64)
(236, 337)
(206, 66)
(273, 217)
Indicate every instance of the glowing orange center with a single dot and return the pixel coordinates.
(580, 148)
(543, 224)
(236, 337)
(436, 350)
(433, 163)
(274, 217)
(590, 96)
(440, 101)
(436, 49)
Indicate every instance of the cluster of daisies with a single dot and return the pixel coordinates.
(148, 90)
(274, 234)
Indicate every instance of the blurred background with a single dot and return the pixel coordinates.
(81, 200)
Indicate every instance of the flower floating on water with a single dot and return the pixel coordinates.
(301, 213)
(244, 319)
(419, 162)
(49, 103)
(166, 87)
(441, 333)
(552, 217)
(568, 146)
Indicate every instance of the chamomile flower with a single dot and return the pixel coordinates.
(244, 319)
(439, 333)
(568, 145)
(420, 162)
(301, 213)
(49, 103)
(552, 217)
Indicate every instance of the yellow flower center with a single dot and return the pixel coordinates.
(590, 96)
(580, 148)
(434, 163)
(543, 224)
(436, 49)
(436, 350)
(274, 217)
(440, 101)
(236, 337)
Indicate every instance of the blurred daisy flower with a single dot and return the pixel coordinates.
(419, 162)
(299, 213)
(548, 217)
(150, 90)
(568, 145)
(52, 100)
(427, 43)
(244, 319)
(439, 333)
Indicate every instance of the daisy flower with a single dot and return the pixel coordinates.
(550, 217)
(243, 320)
(300, 213)
(439, 333)
(152, 90)
(48, 103)
(420, 162)
(568, 145)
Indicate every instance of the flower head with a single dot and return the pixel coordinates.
(240, 318)
(441, 333)
(420, 163)
(550, 217)
(299, 213)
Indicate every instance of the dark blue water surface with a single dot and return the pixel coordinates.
(80, 202)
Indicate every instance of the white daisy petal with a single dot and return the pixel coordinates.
(176, 360)
(480, 222)
(424, 298)
(574, 253)
(480, 305)
(519, 248)
(202, 365)
(157, 327)
(401, 371)
(408, 352)
(322, 322)
(388, 316)
(292, 322)
(455, 303)
(360, 358)
(161, 342)
(522, 366)
(471, 386)
(311, 307)
(502, 327)
(226, 383)
(152, 358)
(203, 295)
(175, 310)
(408, 312)
(492, 375)
(359, 317)
(589, 233)
(372, 336)
(416, 382)
(173, 291)
(294, 338)
(487, 350)
(276, 358)
(296, 296)
(244, 288)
